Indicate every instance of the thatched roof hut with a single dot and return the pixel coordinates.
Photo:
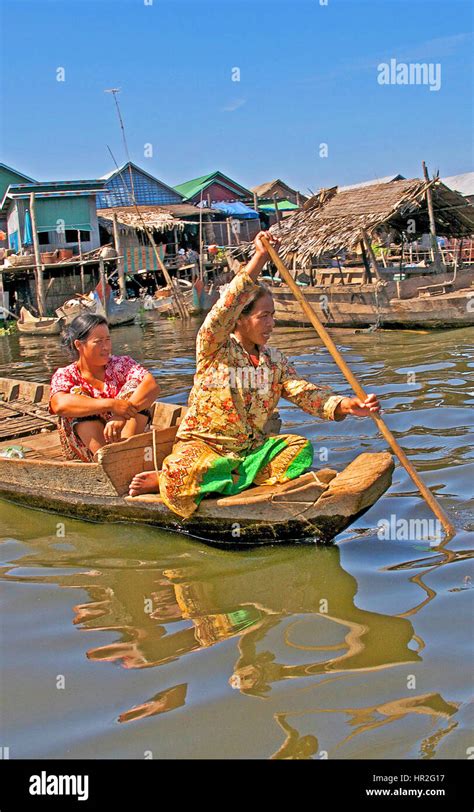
(155, 218)
(332, 221)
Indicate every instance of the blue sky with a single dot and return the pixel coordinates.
(308, 76)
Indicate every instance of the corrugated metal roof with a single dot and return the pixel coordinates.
(386, 179)
(283, 205)
(16, 172)
(63, 188)
(192, 187)
(124, 174)
(197, 185)
(461, 183)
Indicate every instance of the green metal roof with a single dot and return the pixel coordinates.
(192, 187)
(283, 205)
(195, 186)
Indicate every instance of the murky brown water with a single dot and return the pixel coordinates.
(121, 641)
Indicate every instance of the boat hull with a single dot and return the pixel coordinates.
(47, 327)
(35, 326)
(348, 496)
(317, 505)
(365, 305)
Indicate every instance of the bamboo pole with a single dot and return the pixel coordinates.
(277, 210)
(201, 258)
(360, 393)
(103, 283)
(40, 303)
(367, 274)
(120, 264)
(429, 201)
(81, 264)
(2, 298)
(371, 255)
(180, 303)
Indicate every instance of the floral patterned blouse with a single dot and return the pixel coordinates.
(122, 376)
(232, 400)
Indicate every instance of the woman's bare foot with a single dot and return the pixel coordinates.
(145, 482)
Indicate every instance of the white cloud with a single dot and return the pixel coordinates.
(234, 105)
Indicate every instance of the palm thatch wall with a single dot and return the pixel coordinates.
(332, 221)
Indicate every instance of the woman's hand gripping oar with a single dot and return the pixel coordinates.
(350, 377)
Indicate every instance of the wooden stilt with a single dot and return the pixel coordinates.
(429, 201)
(40, 298)
(120, 264)
(103, 283)
(371, 255)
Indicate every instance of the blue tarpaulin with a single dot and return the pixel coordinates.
(27, 232)
(238, 210)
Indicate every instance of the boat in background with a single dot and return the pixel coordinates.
(342, 299)
(117, 313)
(35, 326)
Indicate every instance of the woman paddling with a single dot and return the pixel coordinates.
(223, 445)
(100, 398)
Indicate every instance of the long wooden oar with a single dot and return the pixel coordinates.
(350, 377)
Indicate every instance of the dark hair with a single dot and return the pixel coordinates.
(79, 329)
(260, 292)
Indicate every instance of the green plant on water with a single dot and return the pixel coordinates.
(9, 329)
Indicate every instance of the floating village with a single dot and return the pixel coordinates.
(390, 252)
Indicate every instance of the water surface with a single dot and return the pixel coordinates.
(126, 642)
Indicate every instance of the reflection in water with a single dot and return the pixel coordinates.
(164, 612)
(162, 702)
(313, 629)
(366, 720)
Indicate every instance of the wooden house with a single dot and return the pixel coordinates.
(7, 177)
(65, 214)
(267, 192)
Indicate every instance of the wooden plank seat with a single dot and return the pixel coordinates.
(16, 422)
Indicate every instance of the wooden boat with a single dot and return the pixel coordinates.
(164, 302)
(35, 326)
(316, 506)
(118, 313)
(427, 301)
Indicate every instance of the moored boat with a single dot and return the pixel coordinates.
(35, 326)
(316, 506)
(118, 313)
(420, 302)
(344, 228)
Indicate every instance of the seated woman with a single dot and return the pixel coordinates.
(223, 445)
(100, 398)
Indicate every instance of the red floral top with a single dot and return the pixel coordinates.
(232, 399)
(122, 376)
